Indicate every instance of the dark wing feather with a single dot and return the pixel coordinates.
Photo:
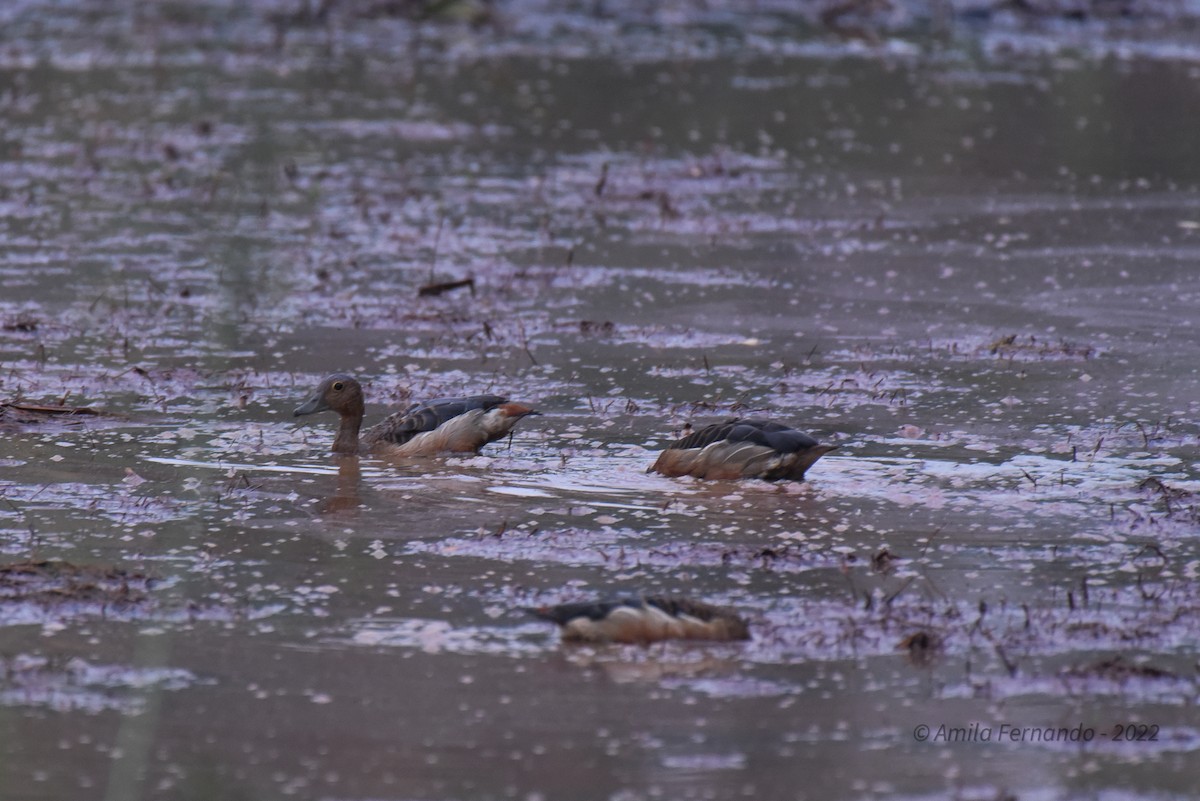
(598, 610)
(705, 436)
(788, 440)
(778, 437)
(400, 427)
(682, 606)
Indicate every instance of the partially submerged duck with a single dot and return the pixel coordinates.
(742, 448)
(444, 425)
(644, 620)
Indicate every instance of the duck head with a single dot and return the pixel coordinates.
(338, 393)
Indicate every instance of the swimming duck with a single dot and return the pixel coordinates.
(644, 620)
(444, 425)
(742, 448)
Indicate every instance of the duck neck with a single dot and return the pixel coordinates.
(346, 441)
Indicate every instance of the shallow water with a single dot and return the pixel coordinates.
(965, 255)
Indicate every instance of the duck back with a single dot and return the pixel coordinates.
(742, 448)
(420, 418)
(444, 425)
(643, 620)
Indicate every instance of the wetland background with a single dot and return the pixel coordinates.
(957, 239)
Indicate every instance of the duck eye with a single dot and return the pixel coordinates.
(338, 386)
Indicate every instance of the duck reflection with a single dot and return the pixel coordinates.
(345, 498)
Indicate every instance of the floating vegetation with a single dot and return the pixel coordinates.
(1118, 668)
(1015, 639)
(21, 415)
(620, 550)
(1177, 503)
(1016, 347)
(23, 323)
(58, 587)
(74, 684)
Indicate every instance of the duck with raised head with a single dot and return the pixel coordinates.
(443, 425)
(644, 620)
(742, 448)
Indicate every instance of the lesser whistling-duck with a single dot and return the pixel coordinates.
(644, 620)
(742, 448)
(443, 425)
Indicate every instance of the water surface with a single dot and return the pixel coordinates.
(964, 255)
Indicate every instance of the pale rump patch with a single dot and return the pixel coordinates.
(650, 624)
(466, 433)
(742, 448)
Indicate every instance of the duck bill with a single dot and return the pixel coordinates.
(518, 410)
(311, 406)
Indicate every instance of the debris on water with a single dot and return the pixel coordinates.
(24, 323)
(439, 636)
(1118, 668)
(433, 290)
(132, 479)
(1174, 499)
(769, 554)
(883, 561)
(592, 327)
(33, 414)
(921, 647)
(52, 570)
(1014, 347)
(50, 583)
(620, 549)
